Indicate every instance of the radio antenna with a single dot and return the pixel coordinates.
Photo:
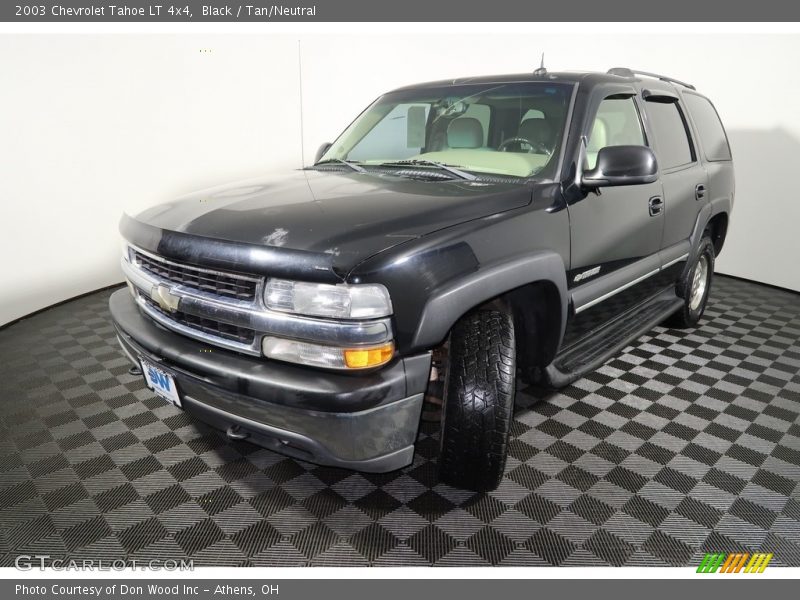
(541, 70)
(300, 81)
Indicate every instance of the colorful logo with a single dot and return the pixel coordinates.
(734, 563)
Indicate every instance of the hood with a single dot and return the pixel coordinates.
(349, 216)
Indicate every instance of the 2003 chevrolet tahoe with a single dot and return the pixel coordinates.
(457, 234)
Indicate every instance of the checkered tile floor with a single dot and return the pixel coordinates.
(688, 442)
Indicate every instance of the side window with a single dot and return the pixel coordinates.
(709, 127)
(617, 123)
(671, 134)
(391, 137)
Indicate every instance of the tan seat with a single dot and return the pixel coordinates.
(465, 132)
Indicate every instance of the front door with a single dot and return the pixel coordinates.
(616, 235)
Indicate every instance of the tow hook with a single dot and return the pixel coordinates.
(236, 433)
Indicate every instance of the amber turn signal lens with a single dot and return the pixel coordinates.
(363, 358)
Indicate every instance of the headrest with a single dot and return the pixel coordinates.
(599, 136)
(465, 132)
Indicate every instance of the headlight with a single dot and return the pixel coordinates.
(330, 357)
(343, 301)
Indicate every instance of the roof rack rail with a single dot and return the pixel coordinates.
(625, 72)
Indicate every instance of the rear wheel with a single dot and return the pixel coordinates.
(694, 288)
(478, 407)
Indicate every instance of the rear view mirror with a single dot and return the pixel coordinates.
(622, 165)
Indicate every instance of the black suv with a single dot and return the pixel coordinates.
(457, 235)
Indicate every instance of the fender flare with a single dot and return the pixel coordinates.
(710, 210)
(447, 304)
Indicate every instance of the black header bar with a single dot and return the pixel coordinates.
(398, 11)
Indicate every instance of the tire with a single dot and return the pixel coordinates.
(478, 401)
(694, 288)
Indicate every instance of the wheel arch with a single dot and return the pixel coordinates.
(538, 314)
(534, 287)
(717, 228)
(712, 218)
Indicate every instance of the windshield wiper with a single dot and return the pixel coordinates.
(347, 163)
(431, 163)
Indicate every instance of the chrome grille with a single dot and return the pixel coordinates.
(211, 327)
(225, 309)
(228, 285)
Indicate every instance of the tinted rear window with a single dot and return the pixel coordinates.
(673, 148)
(709, 127)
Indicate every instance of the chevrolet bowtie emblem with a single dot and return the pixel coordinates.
(165, 298)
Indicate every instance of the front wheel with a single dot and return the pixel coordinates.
(478, 401)
(694, 288)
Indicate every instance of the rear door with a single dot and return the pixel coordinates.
(683, 176)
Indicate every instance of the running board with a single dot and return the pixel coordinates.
(590, 353)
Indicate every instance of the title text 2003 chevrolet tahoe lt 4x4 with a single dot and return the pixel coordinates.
(456, 235)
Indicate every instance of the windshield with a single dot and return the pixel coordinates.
(511, 129)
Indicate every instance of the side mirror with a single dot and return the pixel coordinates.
(622, 165)
(321, 151)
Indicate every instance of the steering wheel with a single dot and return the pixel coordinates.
(538, 148)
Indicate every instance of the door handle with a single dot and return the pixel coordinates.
(656, 205)
(699, 191)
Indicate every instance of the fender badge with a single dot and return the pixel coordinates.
(586, 274)
(165, 298)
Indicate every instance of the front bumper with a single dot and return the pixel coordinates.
(366, 421)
